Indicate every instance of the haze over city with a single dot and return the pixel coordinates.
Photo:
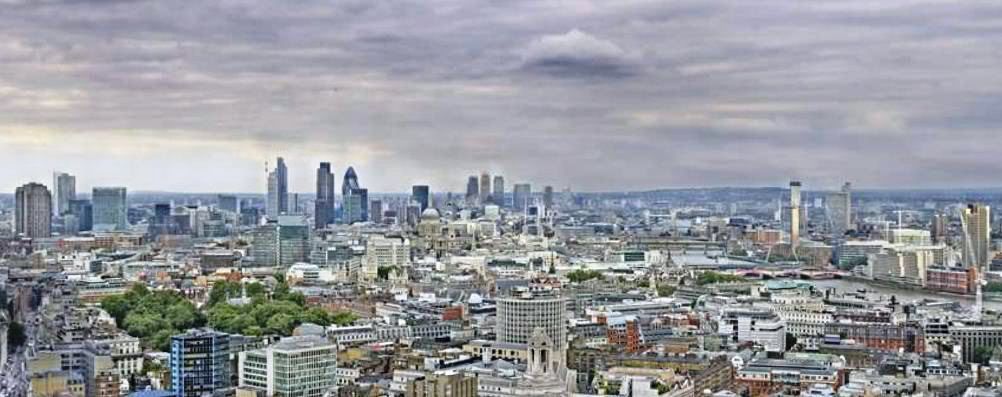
(594, 95)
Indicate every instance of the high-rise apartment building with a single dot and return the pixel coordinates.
(110, 209)
(522, 311)
(521, 196)
(33, 211)
(301, 366)
(278, 190)
(498, 194)
(323, 213)
(977, 219)
(65, 186)
(421, 194)
(199, 363)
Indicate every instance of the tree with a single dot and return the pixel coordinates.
(706, 278)
(983, 354)
(281, 323)
(665, 290)
(582, 275)
(343, 318)
(16, 335)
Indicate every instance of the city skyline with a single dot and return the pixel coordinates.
(627, 96)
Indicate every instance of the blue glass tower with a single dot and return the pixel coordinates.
(199, 363)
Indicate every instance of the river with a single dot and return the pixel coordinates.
(903, 295)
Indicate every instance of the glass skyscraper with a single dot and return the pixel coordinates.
(110, 209)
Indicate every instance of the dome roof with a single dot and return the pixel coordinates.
(430, 213)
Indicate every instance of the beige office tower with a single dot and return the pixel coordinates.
(794, 214)
(977, 218)
(840, 210)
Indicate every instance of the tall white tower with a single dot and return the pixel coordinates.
(794, 215)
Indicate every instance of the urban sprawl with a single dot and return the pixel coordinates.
(527, 291)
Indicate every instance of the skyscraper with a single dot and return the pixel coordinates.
(498, 194)
(548, 198)
(323, 213)
(521, 193)
(485, 188)
(840, 210)
(33, 211)
(65, 186)
(376, 211)
(110, 209)
(84, 213)
(794, 215)
(355, 207)
(421, 194)
(200, 363)
(472, 191)
(278, 190)
(977, 224)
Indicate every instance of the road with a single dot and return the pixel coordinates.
(14, 381)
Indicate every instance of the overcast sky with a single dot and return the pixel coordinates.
(595, 95)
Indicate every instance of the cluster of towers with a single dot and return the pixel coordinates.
(354, 198)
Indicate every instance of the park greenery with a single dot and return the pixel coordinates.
(993, 286)
(155, 316)
(582, 275)
(706, 278)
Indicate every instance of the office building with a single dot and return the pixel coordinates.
(485, 188)
(83, 212)
(162, 220)
(548, 198)
(278, 190)
(301, 366)
(498, 194)
(199, 363)
(33, 211)
(385, 252)
(839, 210)
(281, 242)
(323, 209)
(977, 224)
(421, 194)
(794, 215)
(472, 190)
(356, 199)
(228, 203)
(521, 196)
(65, 189)
(442, 385)
(110, 209)
(522, 311)
(376, 211)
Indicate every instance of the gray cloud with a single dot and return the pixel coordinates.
(594, 95)
(576, 54)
